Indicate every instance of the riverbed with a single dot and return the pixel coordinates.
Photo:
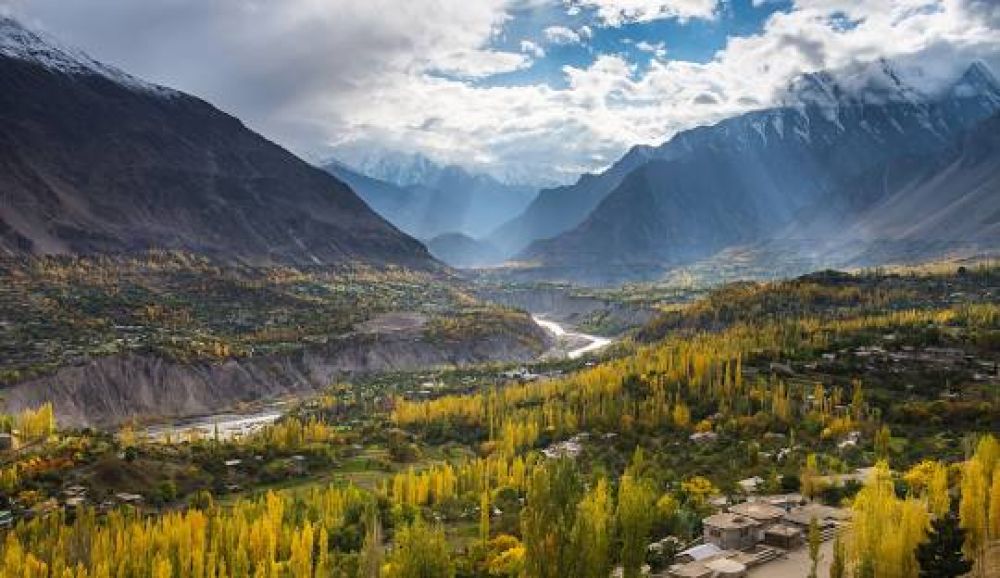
(584, 343)
(572, 344)
(228, 425)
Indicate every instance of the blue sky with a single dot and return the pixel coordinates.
(534, 91)
(695, 39)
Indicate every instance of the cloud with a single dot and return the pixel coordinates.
(406, 76)
(294, 69)
(561, 35)
(529, 47)
(658, 49)
(619, 12)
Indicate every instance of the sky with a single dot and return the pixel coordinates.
(533, 91)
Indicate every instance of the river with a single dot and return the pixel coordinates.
(231, 425)
(592, 342)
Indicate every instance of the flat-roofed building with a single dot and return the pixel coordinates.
(730, 531)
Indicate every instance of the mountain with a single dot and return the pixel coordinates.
(559, 209)
(395, 167)
(427, 200)
(462, 251)
(93, 160)
(953, 206)
(748, 177)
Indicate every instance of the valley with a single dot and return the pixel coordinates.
(658, 315)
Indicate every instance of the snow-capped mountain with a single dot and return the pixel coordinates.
(427, 200)
(750, 176)
(399, 168)
(827, 124)
(93, 160)
(33, 46)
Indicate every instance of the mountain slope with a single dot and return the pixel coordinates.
(955, 207)
(462, 251)
(427, 200)
(752, 175)
(94, 161)
(559, 209)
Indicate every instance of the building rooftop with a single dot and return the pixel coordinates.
(784, 530)
(760, 511)
(825, 515)
(701, 551)
(729, 520)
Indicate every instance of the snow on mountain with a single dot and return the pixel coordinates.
(21, 43)
(750, 175)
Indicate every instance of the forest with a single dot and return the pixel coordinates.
(609, 463)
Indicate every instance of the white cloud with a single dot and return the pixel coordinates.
(529, 47)
(561, 35)
(659, 49)
(478, 63)
(364, 73)
(618, 12)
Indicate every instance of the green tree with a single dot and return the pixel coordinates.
(941, 556)
(421, 551)
(548, 521)
(370, 557)
(815, 540)
(593, 531)
(882, 438)
(635, 518)
(838, 565)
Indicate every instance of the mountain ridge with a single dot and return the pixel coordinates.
(770, 165)
(451, 200)
(96, 161)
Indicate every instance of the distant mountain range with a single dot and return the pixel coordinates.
(851, 164)
(427, 200)
(93, 160)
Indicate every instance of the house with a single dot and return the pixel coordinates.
(696, 553)
(721, 565)
(128, 498)
(703, 437)
(74, 502)
(784, 501)
(730, 531)
(760, 511)
(825, 516)
(750, 485)
(74, 491)
(782, 535)
(8, 442)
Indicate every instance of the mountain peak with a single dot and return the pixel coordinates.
(19, 42)
(875, 82)
(977, 80)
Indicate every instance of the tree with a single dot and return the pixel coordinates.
(838, 565)
(421, 552)
(635, 518)
(484, 517)
(370, 558)
(972, 508)
(548, 520)
(810, 472)
(593, 531)
(940, 556)
(815, 540)
(882, 438)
